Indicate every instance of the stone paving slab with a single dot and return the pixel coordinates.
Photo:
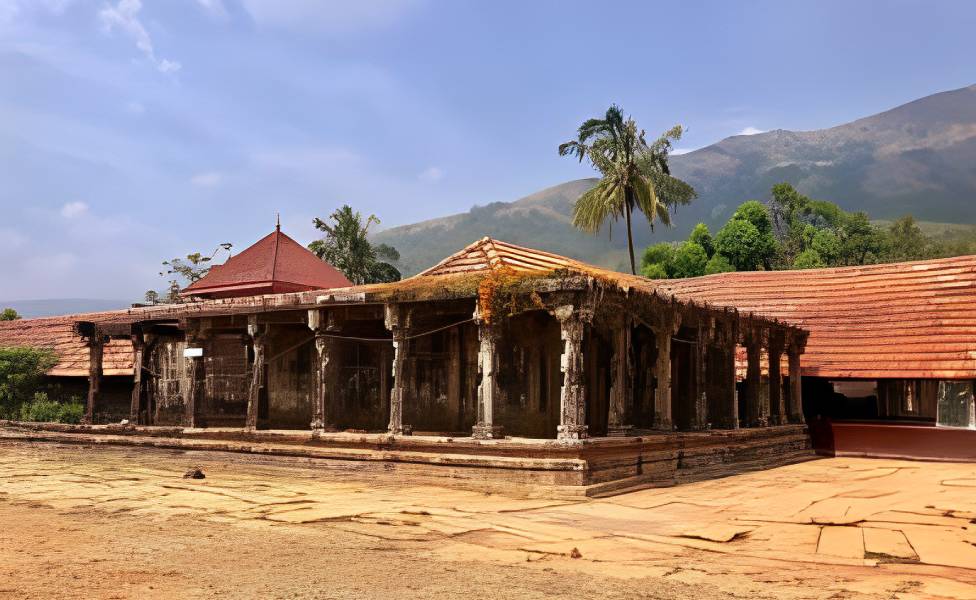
(878, 519)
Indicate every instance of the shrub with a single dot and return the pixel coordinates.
(44, 410)
(718, 264)
(808, 259)
(21, 374)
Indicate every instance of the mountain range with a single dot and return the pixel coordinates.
(918, 158)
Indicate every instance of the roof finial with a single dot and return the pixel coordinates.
(278, 221)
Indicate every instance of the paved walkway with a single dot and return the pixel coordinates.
(826, 528)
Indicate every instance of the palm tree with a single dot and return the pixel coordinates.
(635, 175)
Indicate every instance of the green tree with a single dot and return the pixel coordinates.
(152, 297)
(808, 259)
(827, 246)
(192, 268)
(347, 247)
(21, 374)
(703, 237)
(906, 241)
(654, 271)
(861, 241)
(660, 254)
(718, 264)
(690, 260)
(742, 244)
(635, 175)
(9, 314)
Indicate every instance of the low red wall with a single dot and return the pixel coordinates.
(892, 440)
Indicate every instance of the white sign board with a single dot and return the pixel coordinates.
(193, 352)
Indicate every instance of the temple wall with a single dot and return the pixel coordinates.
(355, 398)
(529, 377)
(171, 380)
(226, 382)
(290, 379)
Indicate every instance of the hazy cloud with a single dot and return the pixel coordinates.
(433, 174)
(215, 8)
(72, 210)
(124, 16)
(329, 16)
(208, 179)
(751, 131)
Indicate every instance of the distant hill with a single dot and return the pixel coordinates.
(61, 306)
(917, 158)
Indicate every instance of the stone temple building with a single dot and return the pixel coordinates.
(500, 362)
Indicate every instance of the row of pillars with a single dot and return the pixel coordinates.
(574, 321)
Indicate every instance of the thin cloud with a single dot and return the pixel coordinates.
(751, 131)
(432, 174)
(214, 8)
(209, 179)
(124, 16)
(337, 17)
(73, 210)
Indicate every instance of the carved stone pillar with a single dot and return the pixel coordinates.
(326, 327)
(670, 323)
(135, 403)
(194, 337)
(96, 345)
(796, 382)
(622, 387)
(259, 335)
(572, 415)
(699, 403)
(777, 404)
(397, 320)
(754, 404)
(485, 428)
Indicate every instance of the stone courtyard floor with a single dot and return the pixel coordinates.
(82, 522)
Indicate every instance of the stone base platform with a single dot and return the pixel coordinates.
(533, 467)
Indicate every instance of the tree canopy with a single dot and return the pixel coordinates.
(9, 314)
(347, 247)
(794, 232)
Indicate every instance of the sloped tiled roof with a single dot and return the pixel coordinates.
(901, 320)
(57, 334)
(488, 253)
(274, 264)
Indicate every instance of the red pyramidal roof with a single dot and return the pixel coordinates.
(275, 264)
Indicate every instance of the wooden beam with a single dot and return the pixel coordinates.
(96, 346)
(138, 365)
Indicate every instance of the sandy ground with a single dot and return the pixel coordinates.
(79, 522)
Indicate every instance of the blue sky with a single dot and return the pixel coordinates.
(132, 132)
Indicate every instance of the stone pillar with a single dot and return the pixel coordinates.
(572, 415)
(662, 371)
(730, 420)
(796, 383)
(699, 403)
(622, 388)
(397, 320)
(326, 327)
(96, 347)
(455, 402)
(485, 428)
(193, 338)
(754, 404)
(135, 403)
(777, 404)
(258, 333)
